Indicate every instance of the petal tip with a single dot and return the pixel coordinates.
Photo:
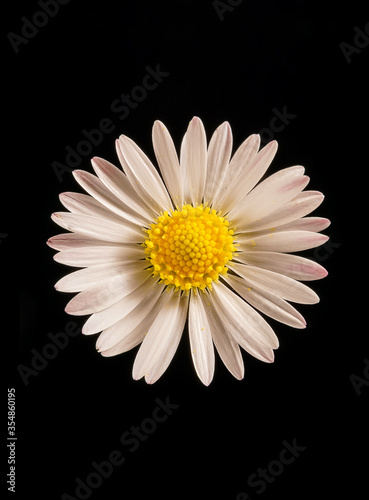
(150, 380)
(85, 331)
(158, 123)
(323, 273)
(273, 144)
(77, 174)
(70, 310)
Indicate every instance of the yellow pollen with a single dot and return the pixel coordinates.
(190, 248)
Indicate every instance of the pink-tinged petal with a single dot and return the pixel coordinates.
(79, 203)
(294, 266)
(282, 241)
(314, 224)
(143, 176)
(118, 184)
(219, 154)
(162, 338)
(283, 286)
(254, 324)
(301, 205)
(167, 158)
(67, 241)
(134, 326)
(245, 170)
(101, 228)
(193, 159)
(269, 195)
(243, 323)
(129, 339)
(92, 256)
(236, 173)
(168, 350)
(106, 293)
(311, 224)
(228, 349)
(93, 186)
(266, 302)
(149, 291)
(202, 349)
(84, 278)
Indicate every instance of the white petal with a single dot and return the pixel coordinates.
(94, 186)
(67, 241)
(158, 341)
(143, 175)
(282, 241)
(227, 347)
(101, 228)
(201, 343)
(150, 290)
(245, 169)
(95, 255)
(128, 339)
(138, 320)
(312, 224)
(283, 286)
(269, 195)
(167, 158)
(219, 154)
(106, 293)
(193, 162)
(294, 266)
(268, 303)
(118, 184)
(301, 205)
(167, 352)
(79, 203)
(236, 173)
(315, 224)
(256, 324)
(246, 326)
(83, 278)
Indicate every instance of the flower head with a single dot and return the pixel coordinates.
(211, 243)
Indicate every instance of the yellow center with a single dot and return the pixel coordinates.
(189, 248)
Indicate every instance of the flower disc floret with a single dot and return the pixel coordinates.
(190, 248)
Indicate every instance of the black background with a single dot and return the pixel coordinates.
(262, 56)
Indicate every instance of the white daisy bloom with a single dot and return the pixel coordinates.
(211, 243)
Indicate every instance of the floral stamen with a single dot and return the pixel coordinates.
(190, 248)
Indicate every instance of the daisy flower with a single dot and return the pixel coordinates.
(207, 240)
